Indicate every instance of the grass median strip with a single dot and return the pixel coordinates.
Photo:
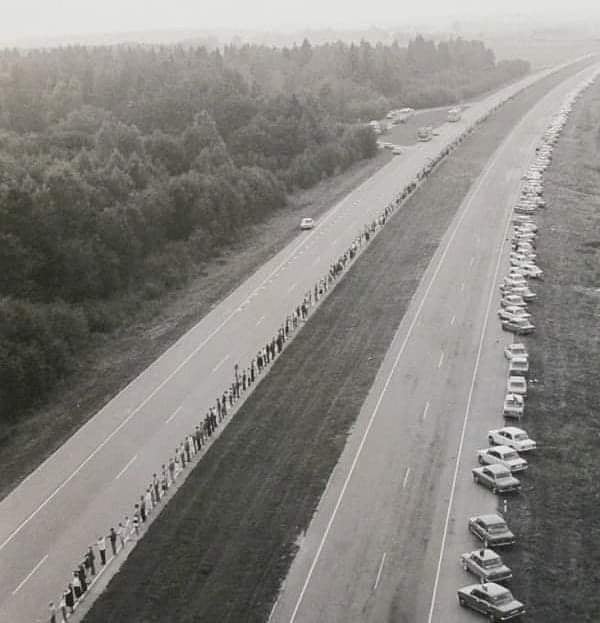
(221, 547)
(556, 519)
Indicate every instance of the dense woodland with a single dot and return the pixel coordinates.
(122, 169)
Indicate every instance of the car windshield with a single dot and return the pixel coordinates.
(509, 456)
(496, 528)
(502, 474)
(490, 563)
(521, 437)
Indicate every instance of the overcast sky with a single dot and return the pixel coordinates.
(19, 18)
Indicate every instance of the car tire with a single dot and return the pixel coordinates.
(480, 459)
(461, 602)
(494, 490)
(491, 441)
(464, 565)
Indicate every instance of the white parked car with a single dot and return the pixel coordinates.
(512, 312)
(517, 385)
(503, 455)
(514, 406)
(518, 366)
(512, 437)
(513, 300)
(516, 349)
(307, 223)
(524, 292)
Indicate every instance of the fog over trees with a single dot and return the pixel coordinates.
(122, 169)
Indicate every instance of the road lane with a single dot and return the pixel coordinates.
(74, 496)
(367, 510)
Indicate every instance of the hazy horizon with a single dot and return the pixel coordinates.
(63, 18)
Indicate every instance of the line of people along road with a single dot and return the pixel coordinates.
(129, 529)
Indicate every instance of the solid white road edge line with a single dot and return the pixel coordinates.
(466, 418)
(388, 380)
(42, 561)
(129, 464)
(379, 572)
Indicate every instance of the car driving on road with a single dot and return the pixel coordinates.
(497, 478)
(307, 223)
(493, 600)
(486, 565)
(512, 437)
(502, 455)
(491, 530)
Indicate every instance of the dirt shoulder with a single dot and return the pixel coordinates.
(118, 358)
(223, 544)
(557, 518)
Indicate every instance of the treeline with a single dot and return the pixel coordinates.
(123, 169)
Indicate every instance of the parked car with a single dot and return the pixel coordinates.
(396, 150)
(518, 326)
(516, 349)
(502, 455)
(518, 366)
(514, 406)
(514, 300)
(513, 437)
(513, 312)
(307, 223)
(532, 270)
(517, 385)
(524, 292)
(491, 530)
(486, 565)
(493, 600)
(497, 478)
(514, 282)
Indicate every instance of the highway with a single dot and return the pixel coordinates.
(92, 481)
(385, 542)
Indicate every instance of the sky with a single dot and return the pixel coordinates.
(24, 18)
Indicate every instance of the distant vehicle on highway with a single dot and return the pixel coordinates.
(518, 326)
(486, 565)
(516, 349)
(307, 223)
(397, 150)
(513, 437)
(454, 114)
(491, 530)
(493, 600)
(425, 133)
(497, 478)
(502, 455)
(514, 406)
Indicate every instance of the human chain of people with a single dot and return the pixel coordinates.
(121, 537)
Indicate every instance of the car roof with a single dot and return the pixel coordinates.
(486, 554)
(502, 449)
(512, 429)
(496, 467)
(491, 518)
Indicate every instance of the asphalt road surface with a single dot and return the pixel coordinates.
(93, 480)
(385, 543)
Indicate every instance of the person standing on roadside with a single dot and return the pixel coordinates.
(90, 558)
(136, 521)
(82, 578)
(102, 549)
(142, 507)
(112, 537)
(126, 530)
(76, 582)
(52, 609)
(187, 449)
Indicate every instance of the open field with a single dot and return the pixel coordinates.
(120, 357)
(221, 547)
(557, 518)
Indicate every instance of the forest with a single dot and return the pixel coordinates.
(123, 169)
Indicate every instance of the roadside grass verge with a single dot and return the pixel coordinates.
(557, 519)
(223, 544)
